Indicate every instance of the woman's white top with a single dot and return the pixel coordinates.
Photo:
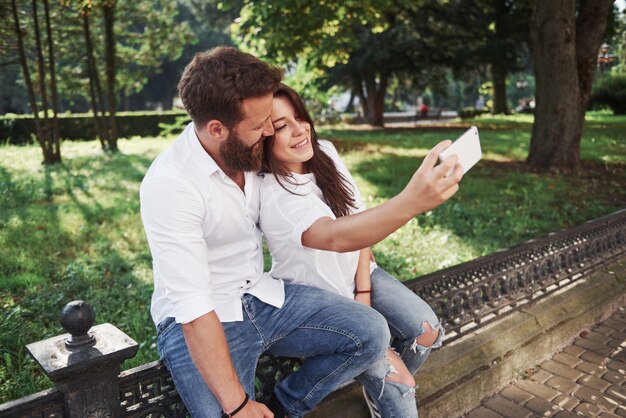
(287, 214)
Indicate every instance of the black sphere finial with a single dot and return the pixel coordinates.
(77, 317)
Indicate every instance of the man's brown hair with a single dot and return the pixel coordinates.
(215, 83)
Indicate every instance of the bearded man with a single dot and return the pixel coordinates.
(215, 309)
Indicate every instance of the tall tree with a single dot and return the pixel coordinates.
(565, 43)
(13, 98)
(476, 36)
(95, 86)
(363, 44)
(46, 129)
(108, 11)
(209, 26)
(113, 57)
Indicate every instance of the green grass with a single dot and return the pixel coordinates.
(500, 203)
(73, 231)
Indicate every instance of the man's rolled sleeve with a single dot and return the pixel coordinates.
(172, 213)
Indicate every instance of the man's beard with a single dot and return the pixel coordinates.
(240, 157)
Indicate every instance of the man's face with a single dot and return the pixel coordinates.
(243, 149)
(240, 157)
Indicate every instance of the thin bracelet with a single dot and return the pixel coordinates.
(239, 408)
(356, 292)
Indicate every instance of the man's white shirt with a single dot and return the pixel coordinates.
(203, 235)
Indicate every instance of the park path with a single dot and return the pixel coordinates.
(587, 378)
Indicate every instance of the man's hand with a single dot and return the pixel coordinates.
(255, 409)
(429, 187)
(205, 335)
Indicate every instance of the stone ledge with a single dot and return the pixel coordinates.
(456, 377)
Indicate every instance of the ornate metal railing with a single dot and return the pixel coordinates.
(44, 404)
(148, 391)
(473, 294)
(465, 297)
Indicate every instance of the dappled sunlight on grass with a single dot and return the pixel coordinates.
(500, 204)
(72, 231)
(417, 249)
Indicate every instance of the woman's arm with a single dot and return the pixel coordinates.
(428, 188)
(362, 279)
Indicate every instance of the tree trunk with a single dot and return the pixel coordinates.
(109, 36)
(167, 101)
(358, 88)
(565, 59)
(498, 76)
(56, 134)
(376, 99)
(350, 106)
(26, 74)
(590, 30)
(48, 151)
(95, 89)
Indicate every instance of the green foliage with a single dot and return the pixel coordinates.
(147, 33)
(610, 90)
(361, 46)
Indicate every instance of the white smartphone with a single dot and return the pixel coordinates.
(466, 148)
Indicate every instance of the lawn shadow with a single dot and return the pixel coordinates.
(62, 242)
(502, 204)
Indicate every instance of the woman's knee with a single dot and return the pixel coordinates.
(398, 372)
(430, 336)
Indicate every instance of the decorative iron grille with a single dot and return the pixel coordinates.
(44, 404)
(473, 294)
(147, 391)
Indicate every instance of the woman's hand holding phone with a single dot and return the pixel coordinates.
(433, 184)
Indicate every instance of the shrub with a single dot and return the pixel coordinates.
(20, 129)
(610, 91)
(472, 112)
(175, 127)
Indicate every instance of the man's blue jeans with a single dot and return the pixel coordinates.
(405, 313)
(338, 337)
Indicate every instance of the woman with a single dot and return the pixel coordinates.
(307, 186)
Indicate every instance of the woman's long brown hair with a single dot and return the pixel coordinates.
(334, 185)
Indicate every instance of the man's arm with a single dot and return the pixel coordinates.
(172, 215)
(208, 347)
(428, 188)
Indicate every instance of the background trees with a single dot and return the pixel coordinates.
(40, 77)
(479, 36)
(362, 46)
(106, 56)
(97, 57)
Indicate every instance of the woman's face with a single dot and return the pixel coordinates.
(292, 136)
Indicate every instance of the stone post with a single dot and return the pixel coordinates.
(85, 363)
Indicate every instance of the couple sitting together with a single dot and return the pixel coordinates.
(251, 165)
